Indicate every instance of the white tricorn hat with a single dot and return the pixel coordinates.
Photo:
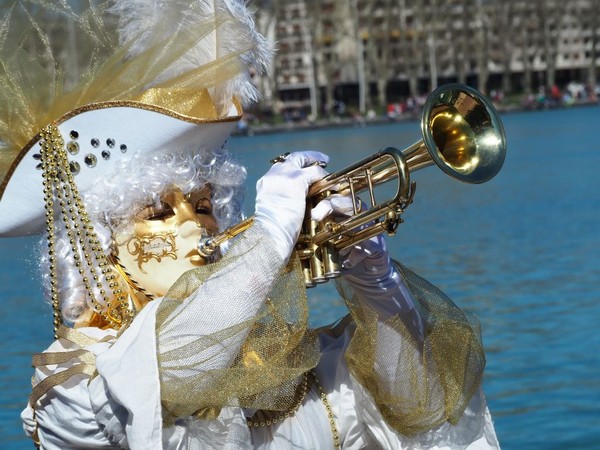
(174, 82)
(96, 137)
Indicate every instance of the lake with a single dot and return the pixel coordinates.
(521, 251)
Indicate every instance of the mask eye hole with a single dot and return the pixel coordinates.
(162, 212)
(203, 206)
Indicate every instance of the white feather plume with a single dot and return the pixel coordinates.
(146, 23)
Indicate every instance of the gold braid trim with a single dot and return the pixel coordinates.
(59, 378)
(75, 336)
(86, 361)
(133, 285)
(52, 358)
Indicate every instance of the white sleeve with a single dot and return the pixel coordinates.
(361, 424)
(379, 286)
(62, 416)
(65, 419)
(231, 296)
(474, 431)
(130, 371)
(128, 380)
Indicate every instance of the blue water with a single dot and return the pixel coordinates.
(522, 252)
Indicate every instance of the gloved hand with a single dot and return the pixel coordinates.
(367, 262)
(368, 268)
(281, 197)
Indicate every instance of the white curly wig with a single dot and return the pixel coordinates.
(134, 184)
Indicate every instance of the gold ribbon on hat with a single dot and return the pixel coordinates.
(118, 80)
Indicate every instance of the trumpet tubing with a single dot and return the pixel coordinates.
(461, 133)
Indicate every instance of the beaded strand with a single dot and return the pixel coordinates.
(301, 394)
(59, 184)
(323, 395)
(304, 387)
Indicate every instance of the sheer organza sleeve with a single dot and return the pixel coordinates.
(227, 333)
(419, 357)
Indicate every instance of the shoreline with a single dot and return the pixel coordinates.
(352, 122)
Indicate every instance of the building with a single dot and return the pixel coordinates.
(367, 53)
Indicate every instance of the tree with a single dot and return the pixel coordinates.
(413, 55)
(266, 14)
(378, 19)
(550, 13)
(589, 17)
(505, 31)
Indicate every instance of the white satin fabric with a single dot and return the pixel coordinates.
(120, 408)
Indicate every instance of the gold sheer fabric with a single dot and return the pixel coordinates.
(278, 348)
(38, 85)
(417, 382)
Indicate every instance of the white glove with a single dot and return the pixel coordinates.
(281, 197)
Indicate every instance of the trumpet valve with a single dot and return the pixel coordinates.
(316, 268)
(308, 279)
(331, 261)
(391, 222)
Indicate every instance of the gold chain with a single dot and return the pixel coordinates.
(334, 430)
(301, 394)
(304, 387)
(50, 172)
(59, 185)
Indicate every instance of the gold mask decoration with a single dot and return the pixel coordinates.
(157, 246)
(162, 244)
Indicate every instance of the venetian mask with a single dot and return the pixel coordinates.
(162, 244)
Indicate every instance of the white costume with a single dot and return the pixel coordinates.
(122, 405)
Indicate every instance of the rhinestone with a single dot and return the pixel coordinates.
(39, 166)
(74, 134)
(74, 167)
(110, 143)
(90, 160)
(73, 147)
(123, 148)
(95, 143)
(105, 154)
(37, 156)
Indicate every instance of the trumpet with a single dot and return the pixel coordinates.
(461, 133)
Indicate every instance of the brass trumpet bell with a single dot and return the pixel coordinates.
(462, 134)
